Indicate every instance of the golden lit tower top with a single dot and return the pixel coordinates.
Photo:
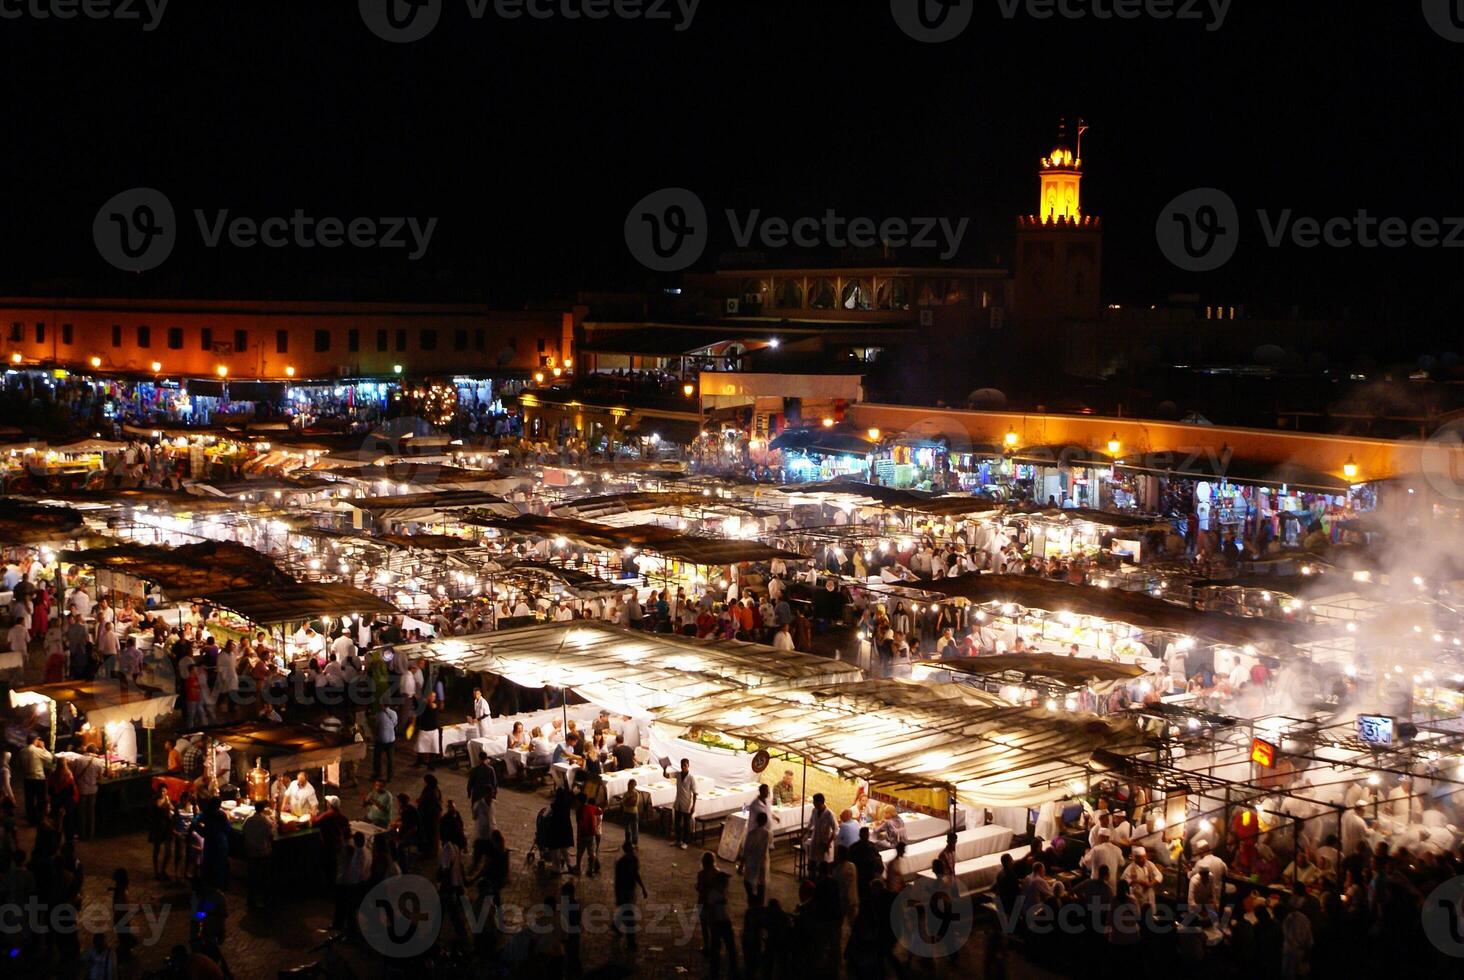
(1060, 177)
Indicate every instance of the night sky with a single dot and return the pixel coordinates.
(529, 140)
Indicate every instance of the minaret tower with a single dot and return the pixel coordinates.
(1059, 254)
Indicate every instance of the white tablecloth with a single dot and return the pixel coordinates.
(922, 826)
(616, 782)
(980, 873)
(969, 844)
(664, 793)
(720, 801)
(786, 820)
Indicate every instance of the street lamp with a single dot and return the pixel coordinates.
(157, 366)
(289, 370)
(874, 435)
(1010, 439)
(96, 362)
(1114, 445)
(687, 389)
(828, 423)
(222, 371)
(1349, 468)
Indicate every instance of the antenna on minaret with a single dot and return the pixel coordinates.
(1082, 128)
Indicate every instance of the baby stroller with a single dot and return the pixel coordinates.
(539, 850)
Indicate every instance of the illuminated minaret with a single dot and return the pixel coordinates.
(1059, 251)
(1061, 179)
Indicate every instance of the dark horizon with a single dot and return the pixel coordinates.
(529, 141)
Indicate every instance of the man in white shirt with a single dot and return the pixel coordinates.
(85, 769)
(299, 798)
(775, 589)
(1105, 855)
(343, 647)
(1143, 877)
(11, 578)
(79, 602)
(541, 749)
(1205, 859)
(782, 640)
(1123, 831)
(18, 639)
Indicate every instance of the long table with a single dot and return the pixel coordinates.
(786, 820)
(970, 844)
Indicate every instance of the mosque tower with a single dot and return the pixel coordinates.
(1059, 251)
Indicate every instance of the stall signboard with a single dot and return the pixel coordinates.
(1263, 753)
(1375, 729)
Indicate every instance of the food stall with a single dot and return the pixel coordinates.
(75, 714)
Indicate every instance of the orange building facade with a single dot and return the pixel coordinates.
(282, 340)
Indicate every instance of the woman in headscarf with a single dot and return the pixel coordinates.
(429, 813)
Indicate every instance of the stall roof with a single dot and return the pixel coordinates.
(680, 431)
(1133, 608)
(1070, 670)
(425, 506)
(873, 494)
(297, 602)
(1105, 518)
(601, 505)
(663, 541)
(103, 702)
(141, 497)
(1235, 470)
(22, 522)
(188, 570)
(627, 668)
(1059, 455)
(903, 734)
(578, 583)
(288, 747)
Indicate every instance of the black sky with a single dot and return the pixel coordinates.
(530, 140)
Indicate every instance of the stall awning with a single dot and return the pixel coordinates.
(298, 602)
(288, 747)
(27, 523)
(906, 735)
(1234, 470)
(640, 537)
(628, 669)
(873, 494)
(103, 702)
(1072, 671)
(426, 506)
(682, 432)
(1116, 605)
(188, 570)
(1061, 456)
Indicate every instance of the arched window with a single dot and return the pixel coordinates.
(855, 295)
(893, 294)
(821, 294)
(789, 294)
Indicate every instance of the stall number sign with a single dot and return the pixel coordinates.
(1375, 729)
(1263, 753)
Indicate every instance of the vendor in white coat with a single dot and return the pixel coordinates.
(1105, 854)
(482, 714)
(300, 799)
(754, 856)
(1143, 877)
